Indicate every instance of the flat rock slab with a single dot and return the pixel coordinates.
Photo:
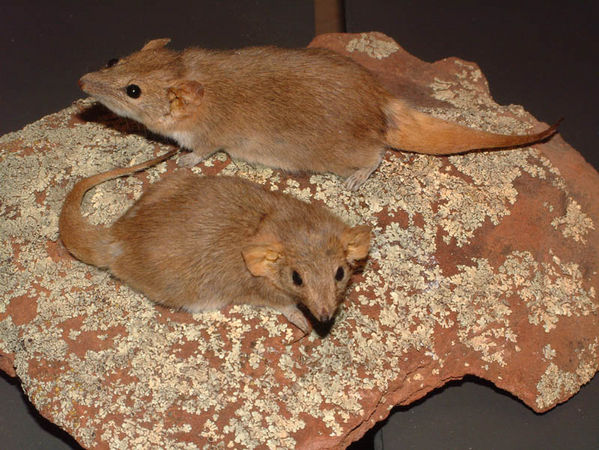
(483, 264)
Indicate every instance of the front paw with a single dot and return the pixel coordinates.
(189, 160)
(297, 318)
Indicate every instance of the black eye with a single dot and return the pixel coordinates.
(297, 280)
(112, 62)
(133, 91)
(339, 274)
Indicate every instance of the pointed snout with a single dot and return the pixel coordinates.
(83, 82)
(322, 300)
(87, 82)
(326, 314)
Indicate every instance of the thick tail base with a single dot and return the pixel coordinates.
(411, 130)
(83, 240)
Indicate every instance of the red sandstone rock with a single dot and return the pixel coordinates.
(482, 264)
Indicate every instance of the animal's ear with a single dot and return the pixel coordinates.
(155, 44)
(356, 242)
(261, 259)
(185, 97)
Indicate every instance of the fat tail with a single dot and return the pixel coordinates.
(83, 240)
(414, 131)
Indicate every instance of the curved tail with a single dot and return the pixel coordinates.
(83, 240)
(414, 131)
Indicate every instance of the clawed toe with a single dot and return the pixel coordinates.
(353, 182)
(189, 160)
(297, 318)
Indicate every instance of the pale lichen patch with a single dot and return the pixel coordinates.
(557, 384)
(548, 352)
(575, 224)
(372, 46)
(549, 289)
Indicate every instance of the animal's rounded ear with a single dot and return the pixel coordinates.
(356, 242)
(261, 259)
(155, 44)
(185, 97)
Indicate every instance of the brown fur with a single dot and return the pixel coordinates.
(202, 243)
(296, 109)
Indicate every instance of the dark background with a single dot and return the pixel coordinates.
(542, 55)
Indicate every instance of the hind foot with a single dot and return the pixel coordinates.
(371, 158)
(189, 160)
(355, 180)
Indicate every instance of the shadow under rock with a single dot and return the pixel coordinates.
(373, 440)
(41, 421)
(99, 114)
